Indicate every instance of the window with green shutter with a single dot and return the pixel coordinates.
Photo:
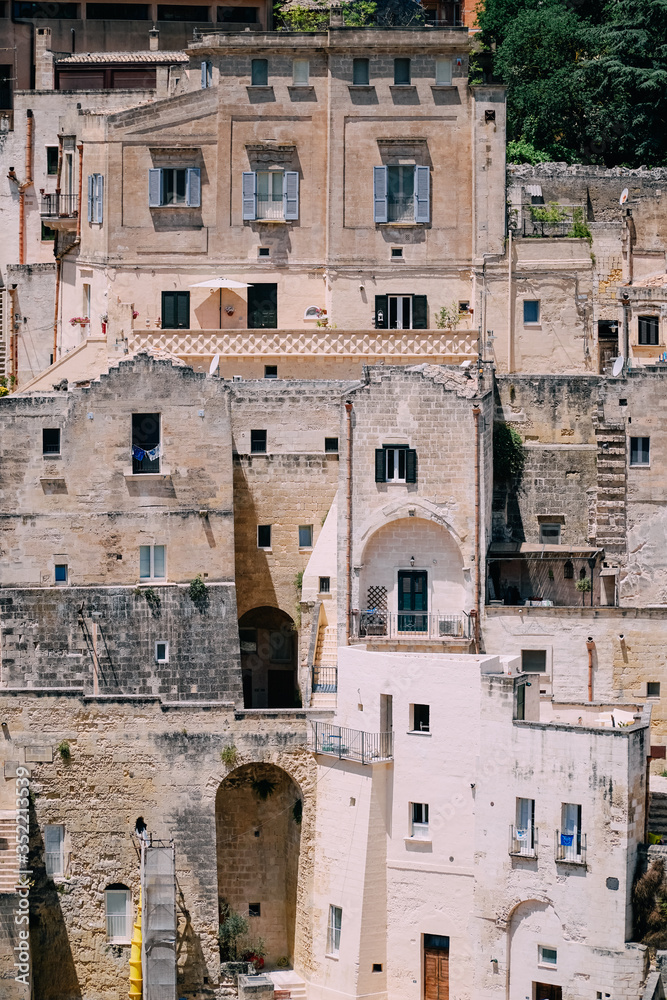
(395, 463)
(176, 310)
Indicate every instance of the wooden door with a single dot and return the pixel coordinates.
(545, 991)
(436, 973)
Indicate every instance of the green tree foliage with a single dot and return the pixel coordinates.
(585, 78)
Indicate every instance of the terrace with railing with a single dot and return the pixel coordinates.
(410, 625)
(59, 206)
(523, 842)
(352, 744)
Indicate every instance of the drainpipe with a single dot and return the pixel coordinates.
(478, 579)
(510, 330)
(26, 183)
(13, 337)
(78, 214)
(348, 558)
(590, 646)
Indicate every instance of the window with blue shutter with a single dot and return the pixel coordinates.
(380, 194)
(291, 194)
(422, 194)
(91, 196)
(95, 197)
(174, 186)
(206, 75)
(193, 187)
(154, 188)
(249, 195)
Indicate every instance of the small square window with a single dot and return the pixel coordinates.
(489, 115)
(547, 956)
(653, 689)
(162, 652)
(259, 72)
(264, 252)
(270, 371)
(325, 585)
(443, 72)
(401, 72)
(550, 534)
(52, 160)
(258, 442)
(531, 311)
(305, 536)
(60, 573)
(361, 72)
(331, 445)
(622, 402)
(534, 661)
(50, 440)
(300, 72)
(263, 536)
(397, 253)
(421, 718)
(254, 909)
(377, 967)
(639, 450)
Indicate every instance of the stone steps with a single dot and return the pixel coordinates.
(657, 813)
(8, 860)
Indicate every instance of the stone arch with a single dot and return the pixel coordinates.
(269, 650)
(259, 814)
(401, 508)
(532, 923)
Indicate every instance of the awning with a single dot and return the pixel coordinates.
(534, 190)
(609, 571)
(508, 550)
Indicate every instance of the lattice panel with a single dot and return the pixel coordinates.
(377, 598)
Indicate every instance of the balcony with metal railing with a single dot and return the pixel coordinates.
(570, 848)
(352, 744)
(410, 625)
(523, 842)
(61, 210)
(325, 679)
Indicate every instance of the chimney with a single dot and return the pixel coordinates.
(336, 16)
(43, 60)
(154, 39)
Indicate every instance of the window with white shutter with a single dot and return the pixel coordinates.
(291, 194)
(249, 195)
(422, 194)
(270, 195)
(174, 187)
(95, 197)
(380, 206)
(401, 193)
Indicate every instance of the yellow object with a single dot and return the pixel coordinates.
(136, 975)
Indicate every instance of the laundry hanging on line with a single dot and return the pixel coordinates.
(140, 454)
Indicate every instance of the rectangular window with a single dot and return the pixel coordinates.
(570, 835)
(401, 193)
(402, 72)
(401, 312)
(116, 12)
(421, 718)
(419, 828)
(361, 73)
(206, 74)
(145, 443)
(152, 562)
(237, 15)
(531, 311)
(60, 573)
(174, 186)
(649, 330)
(254, 909)
(639, 450)
(52, 160)
(395, 464)
(54, 849)
(95, 198)
(300, 72)
(182, 12)
(270, 194)
(264, 252)
(534, 661)
(550, 534)
(547, 956)
(333, 930)
(162, 652)
(119, 915)
(331, 445)
(263, 305)
(520, 713)
(175, 311)
(263, 536)
(443, 72)
(47, 235)
(525, 827)
(270, 371)
(259, 73)
(50, 440)
(325, 585)
(305, 536)
(653, 689)
(258, 442)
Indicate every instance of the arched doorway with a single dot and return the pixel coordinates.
(539, 963)
(268, 641)
(258, 834)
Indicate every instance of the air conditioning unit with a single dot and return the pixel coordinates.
(237, 378)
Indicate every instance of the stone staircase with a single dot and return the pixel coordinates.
(657, 814)
(610, 509)
(8, 861)
(326, 655)
(286, 981)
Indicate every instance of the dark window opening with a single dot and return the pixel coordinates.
(43, 11)
(401, 312)
(607, 329)
(181, 12)
(47, 234)
(361, 74)
(52, 159)
(60, 572)
(270, 371)
(401, 72)
(395, 464)
(325, 585)
(568, 570)
(653, 689)
(264, 252)
(396, 252)
(639, 450)
(649, 330)
(259, 72)
(116, 12)
(421, 718)
(258, 442)
(145, 442)
(377, 967)
(331, 445)
(176, 310)
(238, 15)
(533, 661)
(263, 536)
(51, 440)
(489, 115)
(254, 909)
(6, 78)
(263, 306)
(520, 703)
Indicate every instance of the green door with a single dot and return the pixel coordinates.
(412, 597)
(263, 306)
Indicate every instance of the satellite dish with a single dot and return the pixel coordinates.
(618, 366)
(624, 197)
(214, 365)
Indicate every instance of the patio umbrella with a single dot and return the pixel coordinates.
(221, 283)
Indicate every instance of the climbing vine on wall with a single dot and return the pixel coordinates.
(509, 456)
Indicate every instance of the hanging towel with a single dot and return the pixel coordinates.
(566, 839)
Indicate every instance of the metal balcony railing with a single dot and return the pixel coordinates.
(352, 744)
(325, 679)
(523, 842)
(56, 862)
(570, 847)
(410, 625)
(59, 206)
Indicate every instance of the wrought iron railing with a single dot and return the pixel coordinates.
(570, 847)
(61, 206)
(410, 625)
(352, 744)
(325, 679)
(523, 841)
(538, 227)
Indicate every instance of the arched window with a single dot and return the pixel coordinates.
(118, 902)
(568, 570)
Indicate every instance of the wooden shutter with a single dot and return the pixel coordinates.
(183, 310)
(249, 194)
(411, 466)
(193, 187)
(419, 312)
(204, 75)
(98, 213)
(380, 208)
(91, 196)
(154, 188)
(379, 465)
(291, 194)
(381, 312)
(168, 310)
(422, 194)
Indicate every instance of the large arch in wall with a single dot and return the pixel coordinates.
(269, 651)
(534, 924)
(259, 818)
